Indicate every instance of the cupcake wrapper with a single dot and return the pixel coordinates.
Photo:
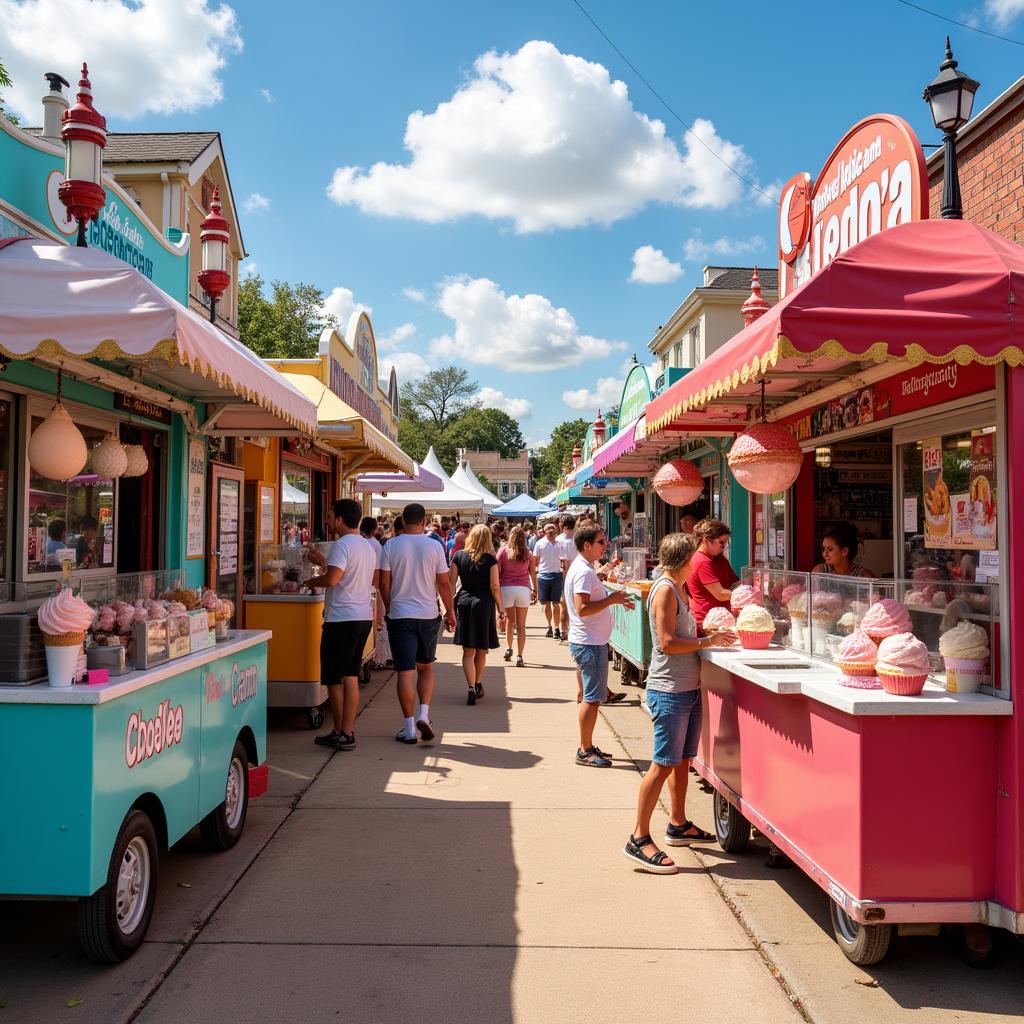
(853, 668)
(901, 685)
(755, 641)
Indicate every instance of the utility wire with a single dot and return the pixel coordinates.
(961, 24)
(664, 102)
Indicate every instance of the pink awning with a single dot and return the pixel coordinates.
(621, 444)
(62, 301)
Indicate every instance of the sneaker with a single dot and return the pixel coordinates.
(426, 732)
(331, 739)
(519, 662)
(471, 696)
(347, 741)
(479, 690)
(400, 737)
(558, 634)
(508, 653)
(549, 633)
(592, 758)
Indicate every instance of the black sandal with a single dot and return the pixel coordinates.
(658, 863)
(614, 698)
(683, 835)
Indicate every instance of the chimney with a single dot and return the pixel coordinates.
(54, 104)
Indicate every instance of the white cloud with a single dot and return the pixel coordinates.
(1004, 12)
(159, 56)
(408, 366)
(249, 268)
(396, 338)
(492, 398)
(254, 202)
(606, 393)
(342, 304)
(267, 95)
(543, 139)
(696, 250)
(518, 332)
(652, 266)
(414, 294)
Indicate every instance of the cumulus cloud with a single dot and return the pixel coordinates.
(267, 95)
(605, 394)
(159, 56)
(1004, 12)
(414, 294)
(545, 140)
(492, 398)
(518, 332)
(249, 268)
(408, 366)
(341, 303)
(396, 338)
(652, 266)
(697, 250)
(254, 201)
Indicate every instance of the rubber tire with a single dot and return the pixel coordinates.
(975, 945)
(736, 835)
(100, 935)
(316, 718)
(213, 829)
(870, 944)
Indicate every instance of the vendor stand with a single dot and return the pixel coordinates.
(854, 785)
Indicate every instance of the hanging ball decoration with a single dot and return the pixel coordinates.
(56, 449)
(765, 458)
(109, 459)
(678, 482)
(138, 460)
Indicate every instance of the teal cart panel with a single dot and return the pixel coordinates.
(631, 632)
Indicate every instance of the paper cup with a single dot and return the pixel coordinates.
(964, 675)
(62, 658)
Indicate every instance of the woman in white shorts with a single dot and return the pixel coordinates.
(518, 579)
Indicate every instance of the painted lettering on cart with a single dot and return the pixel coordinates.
(146, 737)
(244, 685)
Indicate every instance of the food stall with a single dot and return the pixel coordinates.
(849, 776)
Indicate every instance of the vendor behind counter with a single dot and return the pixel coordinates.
(712, 577)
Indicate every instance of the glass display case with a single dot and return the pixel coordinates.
(286, 568)
(780, 591)
(634, 565)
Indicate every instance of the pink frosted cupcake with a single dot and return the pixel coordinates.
(902, 664)
(856, 658)
(886, 617)
(755, 627)
(719, 618)
(742, 596)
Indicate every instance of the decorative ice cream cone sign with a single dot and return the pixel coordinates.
(678, 483)
(577, 455)
(599, 429)
(84, 132)
(765, 458)
(215, 233)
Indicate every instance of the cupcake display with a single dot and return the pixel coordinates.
(848, 623)
(755, 627)
(797, 606)
(719, 618)
(964, 649)
(63, 621)
(855, 658)
(743, 596)
(885, 618)
(825, 611)
(902, 664)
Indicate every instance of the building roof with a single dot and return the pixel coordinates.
(152, 147)
(738, 279)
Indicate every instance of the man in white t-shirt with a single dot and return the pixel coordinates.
(547, 560)
(567, 547)
(413, 574)
(348, 618)
(590, 629)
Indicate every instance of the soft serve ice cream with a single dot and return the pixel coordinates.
(886, 617)
(743, 596)
(63, 621)
(964, 649)
(755, 627)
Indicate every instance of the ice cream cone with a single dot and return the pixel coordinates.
(62, 651)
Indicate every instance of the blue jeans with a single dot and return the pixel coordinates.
(677, 720)
(592, 661)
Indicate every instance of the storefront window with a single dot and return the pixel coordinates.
(6, 413)
(770, 535)
(73, 520)
(295, 505)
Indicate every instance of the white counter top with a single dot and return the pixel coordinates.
(777, 670)
(289, 598)
(42, 693)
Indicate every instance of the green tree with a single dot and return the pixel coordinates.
(546, 462)
(440, 397)
(286, 326)
(487, 430)
(6, 83)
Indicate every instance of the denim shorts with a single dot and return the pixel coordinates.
(592, 661)
(677, 719)
(549, 588)
(413, 642)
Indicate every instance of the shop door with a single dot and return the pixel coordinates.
(227, 520)
(140, 508)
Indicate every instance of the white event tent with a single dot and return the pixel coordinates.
(465, 478)
(451, 497)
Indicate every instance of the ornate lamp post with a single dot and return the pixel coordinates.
(951, 98)
(215, 233)
(84, 133)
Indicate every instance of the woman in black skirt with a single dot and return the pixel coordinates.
(476, 570)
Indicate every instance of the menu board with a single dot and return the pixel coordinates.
(228, 508)
(937, 508)
(196, 500)
(266, 514)
(178, 636)
(983, 491)
(965, 520)
(201, 635)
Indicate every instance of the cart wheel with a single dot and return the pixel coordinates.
(731, 828)
(974, 945)
(316, 718)
(113, 921)
(222, 827)
(863, 944)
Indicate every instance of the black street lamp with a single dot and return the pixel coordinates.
(951, 98)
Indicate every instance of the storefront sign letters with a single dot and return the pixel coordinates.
(874, 179)
(244, 685)
(147, 737)
(138, 406)
(636, 393)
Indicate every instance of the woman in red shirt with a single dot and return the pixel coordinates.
(711, 577)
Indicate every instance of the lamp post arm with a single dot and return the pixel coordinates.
(952, 204)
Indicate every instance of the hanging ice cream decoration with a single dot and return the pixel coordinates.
(56, 449)
(109, 459)
(138, 460)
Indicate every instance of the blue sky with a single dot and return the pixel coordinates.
(504, 239)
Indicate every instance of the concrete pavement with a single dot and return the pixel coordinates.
(479, 877)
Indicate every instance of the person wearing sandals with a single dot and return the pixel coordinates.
(674, 700)
(518, 580)
(476, 570)
(590, 628)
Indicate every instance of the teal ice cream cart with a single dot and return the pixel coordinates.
(98, 780)
(631, 635)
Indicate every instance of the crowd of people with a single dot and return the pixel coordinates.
(479, 581)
